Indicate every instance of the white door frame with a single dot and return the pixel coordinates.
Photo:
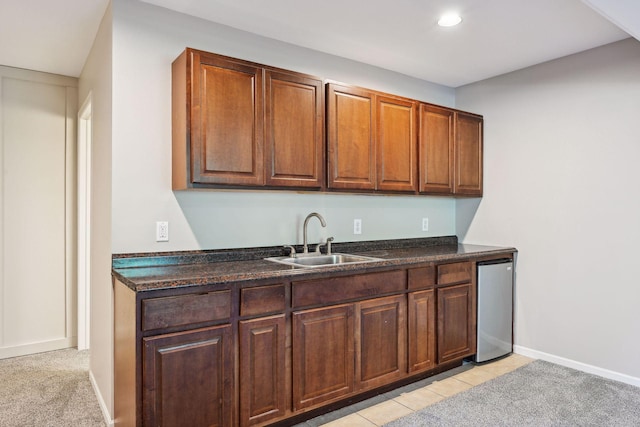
(85, 134)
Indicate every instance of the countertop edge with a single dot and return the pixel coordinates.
(271, 271)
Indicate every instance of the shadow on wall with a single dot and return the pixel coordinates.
(466, 209)
(233, 219)
(227, 219)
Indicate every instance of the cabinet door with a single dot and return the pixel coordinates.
(323, 355)
(436, 149)
(468, 158)
(422, 330)
(350, 133)
(456, 322)
(188, 378)
(381, 341)
(396, 144)
(226, 122)
(262, 376)
(294, 140)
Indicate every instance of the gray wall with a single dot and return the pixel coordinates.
(146, 40)
(562, 151)
(129, 75)
(559, 174)
(95, 79)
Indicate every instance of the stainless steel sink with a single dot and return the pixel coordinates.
(315, 260)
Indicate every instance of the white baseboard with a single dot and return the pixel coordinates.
(103, 407)
(38, 347)
(590, 369)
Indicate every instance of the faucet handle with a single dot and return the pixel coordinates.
(329, 240)
(327, 244)
(293, 250)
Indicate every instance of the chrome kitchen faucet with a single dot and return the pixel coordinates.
(305, 248)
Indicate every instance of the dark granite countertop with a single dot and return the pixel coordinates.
(145, 272)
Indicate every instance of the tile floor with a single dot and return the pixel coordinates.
(398, 403)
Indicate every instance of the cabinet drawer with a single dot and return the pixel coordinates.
(458, 272)
(422, 278)
(262, 300)
(166, 312)
(334, 290)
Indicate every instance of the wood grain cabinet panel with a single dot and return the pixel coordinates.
(183, 310)
(360, 286)
(396, 144)
(323, 355)
(372, 140)
(262, 300)
(422, 330)
(237, 123)
(188, 378)
(262, 370)
(456, 322)
(226, 121)
(450, 144)
(350, 138)
(437, 127)
(455, 272)
(294, 130)
(468, 154)
(381, 341)
(421, 277)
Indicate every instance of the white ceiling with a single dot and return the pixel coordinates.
(495, 37)
(49, 35)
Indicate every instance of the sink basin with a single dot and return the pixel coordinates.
(314, 260)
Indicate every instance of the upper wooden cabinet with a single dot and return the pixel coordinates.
(450, 151)
(468, 154)
(241, 124)
(436, 149)
(294, 130)
(397, 143)
(350, 138)
(236, 123)
(371, 140)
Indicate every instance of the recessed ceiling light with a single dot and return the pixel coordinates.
(449, 20)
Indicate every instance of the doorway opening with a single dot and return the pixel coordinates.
(84, 223)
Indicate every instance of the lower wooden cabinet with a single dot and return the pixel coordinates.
(422, 330)
(262, 370)
(456, 322)
(381, 341)
(306, 344)
(188, 378)
(323, 354)
(365, 341)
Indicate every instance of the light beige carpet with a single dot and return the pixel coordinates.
(48, 389)
(540, 394)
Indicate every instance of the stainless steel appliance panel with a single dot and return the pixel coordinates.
(495, 309)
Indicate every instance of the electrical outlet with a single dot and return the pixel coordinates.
(425, 224)
(162, 231)
(357, 226)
